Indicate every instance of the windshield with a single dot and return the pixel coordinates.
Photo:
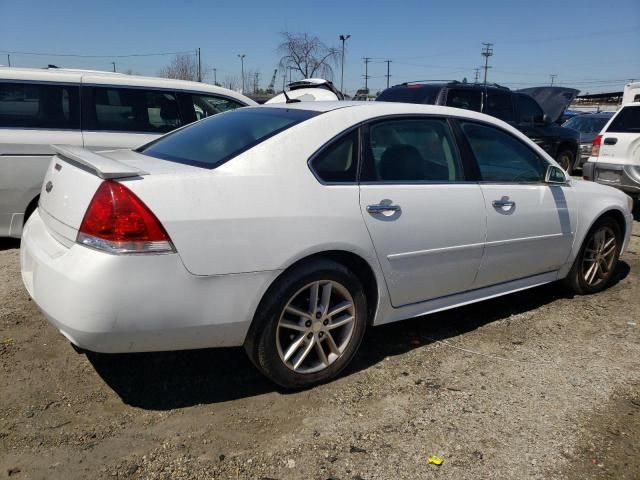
(410, 94)
(217, 139)
(586, 124)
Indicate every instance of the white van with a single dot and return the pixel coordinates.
(631, 93)
(94, 110)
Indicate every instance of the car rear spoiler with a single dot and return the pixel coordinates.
(100, 165)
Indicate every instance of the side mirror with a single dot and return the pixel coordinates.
(555, 176)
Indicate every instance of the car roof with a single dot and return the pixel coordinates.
(97, 77)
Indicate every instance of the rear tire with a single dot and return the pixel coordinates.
(309, 325)
(595, 263)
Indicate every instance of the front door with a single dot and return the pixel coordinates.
(427, 224)
(530, 224)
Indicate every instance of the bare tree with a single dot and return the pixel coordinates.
(307, 54)
(231, 82)
(183, 67)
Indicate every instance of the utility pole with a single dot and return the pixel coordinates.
(9, 59)
(366, 73)
(487, 52)
(388, 74)
(199, 67)
(284, 80)
(255, 82)
(114, 66)
(477, 75)
(553, 77)
(344, 38)
(241, 56)
(215, 76)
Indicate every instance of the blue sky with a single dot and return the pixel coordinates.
(589, 45)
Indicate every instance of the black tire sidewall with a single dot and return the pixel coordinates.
(578, 279)
(262, 348)
(570, 162)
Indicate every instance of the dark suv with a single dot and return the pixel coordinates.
(533, 111)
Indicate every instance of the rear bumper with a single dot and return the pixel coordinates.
(117, 303)
(623, 177)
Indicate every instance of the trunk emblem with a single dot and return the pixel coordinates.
(49, 186)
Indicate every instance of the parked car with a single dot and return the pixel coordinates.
(631, 93)
(533, 111)
(588, 125)
(615, 155)
(309, 89)
(95, 110)
(290, 228)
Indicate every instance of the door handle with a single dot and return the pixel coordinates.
(503, 203)
(381, 208)
(610, 141)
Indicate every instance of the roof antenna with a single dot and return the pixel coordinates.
(290, 100)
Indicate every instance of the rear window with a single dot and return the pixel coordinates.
(410, 94)
(627, 121)
(465, 98)
(586, 123)
(214, 140)
(34, 105)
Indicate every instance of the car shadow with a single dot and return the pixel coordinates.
(9, 243)
(169, 380)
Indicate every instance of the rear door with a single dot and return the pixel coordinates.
(33, 115)
(126, 117)
(530, 224)
(426, 222)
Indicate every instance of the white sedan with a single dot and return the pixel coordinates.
(291, 228)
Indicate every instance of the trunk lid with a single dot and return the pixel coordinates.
(73, 176)
(553, 100)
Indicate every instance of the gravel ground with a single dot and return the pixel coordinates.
(532, 385)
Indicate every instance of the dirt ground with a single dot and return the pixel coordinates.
(532, 385)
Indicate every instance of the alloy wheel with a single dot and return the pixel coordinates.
(315, 326)
(599, 255)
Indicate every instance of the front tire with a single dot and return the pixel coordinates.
(593, 268)
(309, 325)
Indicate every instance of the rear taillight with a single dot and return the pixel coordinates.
(117, 221)
(595, 146)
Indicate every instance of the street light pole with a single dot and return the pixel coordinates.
(242, 55)
(344, 38)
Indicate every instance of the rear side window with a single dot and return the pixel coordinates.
(338, 162)
(502, 157)
(135, 110)
(34, 105)
(410, 94)
(411, 150)
(528, 109)
(626, 121)
(465, 98)
(499, 105)
(219, 138)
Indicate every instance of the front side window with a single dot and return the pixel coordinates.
(219, 138)
(338, 163)
(207, 105)
(466, 98)
(135, 110)
(626, 121)
(34, 105)
(528, 109)
(411, 150)
(499, 105)
(501, 157)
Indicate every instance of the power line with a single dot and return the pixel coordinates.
(14, 52)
